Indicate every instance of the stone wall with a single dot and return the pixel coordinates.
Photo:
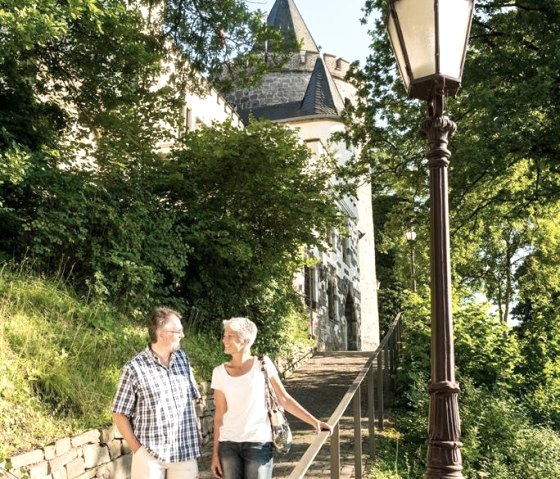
(99, 453)
(275, 89)
(102, 453)
(290, 84)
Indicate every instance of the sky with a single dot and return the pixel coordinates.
(334, 25)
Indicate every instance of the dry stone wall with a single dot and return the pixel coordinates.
(99, 453)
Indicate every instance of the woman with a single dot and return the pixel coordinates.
(242, 431)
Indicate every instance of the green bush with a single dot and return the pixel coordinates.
(499, 438)
(486, 351)
(535, 452)
(177, 230)
(111, 237)
(489, 422)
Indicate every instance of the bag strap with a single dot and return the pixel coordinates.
(271, 399)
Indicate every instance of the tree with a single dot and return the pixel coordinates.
(250, 200)
(504, 174)
(89, 70)
(88, 91)
(538, 321)
(220, 224)
(504, 171)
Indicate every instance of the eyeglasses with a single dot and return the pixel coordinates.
(179, 333)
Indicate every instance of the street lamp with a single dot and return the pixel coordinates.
(410, 237)
(429, 39)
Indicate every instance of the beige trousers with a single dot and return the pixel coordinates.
(145, 466)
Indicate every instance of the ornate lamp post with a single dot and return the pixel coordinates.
(429, 39)
(410, 237)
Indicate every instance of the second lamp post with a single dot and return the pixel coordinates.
(410, 237)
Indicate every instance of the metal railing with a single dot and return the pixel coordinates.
(5, 474)
(379, 373)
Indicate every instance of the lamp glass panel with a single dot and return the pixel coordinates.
(417, 21)
(454, 20)
(397, 47)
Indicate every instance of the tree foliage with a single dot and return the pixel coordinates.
(86, 74)
(504, 181)
(504, 169)
(89, 90)
(250, 200)
(500, 437)
(220, 224)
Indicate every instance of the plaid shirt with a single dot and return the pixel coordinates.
(159, 403)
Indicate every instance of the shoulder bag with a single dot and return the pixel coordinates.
(281, 433)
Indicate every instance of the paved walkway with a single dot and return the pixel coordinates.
(319, 385)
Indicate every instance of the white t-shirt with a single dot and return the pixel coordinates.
(246, 418)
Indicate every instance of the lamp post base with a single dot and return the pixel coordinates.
(444, 452)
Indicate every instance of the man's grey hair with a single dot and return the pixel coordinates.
(244, 327)
(158, 319)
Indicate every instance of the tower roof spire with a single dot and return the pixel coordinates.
(322, 95)
(286, 17)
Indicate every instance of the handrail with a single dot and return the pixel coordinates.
(5, 473)
(391, 340)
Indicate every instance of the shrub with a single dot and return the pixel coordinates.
(535, 452)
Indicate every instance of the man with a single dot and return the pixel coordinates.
(153, 408)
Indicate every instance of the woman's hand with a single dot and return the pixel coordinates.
(323, 426)
(216, 467)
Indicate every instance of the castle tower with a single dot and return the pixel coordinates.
(309, 94)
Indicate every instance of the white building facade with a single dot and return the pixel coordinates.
(308, 95)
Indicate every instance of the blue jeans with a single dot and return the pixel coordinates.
(246, 460)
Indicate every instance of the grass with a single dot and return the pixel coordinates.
(60, 359)
(394, 460)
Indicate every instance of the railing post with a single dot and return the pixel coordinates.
(394, 354)
(357, 406)
(387, 371)
(393, 367)
(335, 452)
(380, 406)
(371, 411)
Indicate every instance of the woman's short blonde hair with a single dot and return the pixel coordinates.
(244, 327)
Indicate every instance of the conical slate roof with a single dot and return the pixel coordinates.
(322, 95)
(286, 17)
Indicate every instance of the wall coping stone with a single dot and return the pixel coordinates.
(27, 458)
(86, 438)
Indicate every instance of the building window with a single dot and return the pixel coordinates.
(331, 300)
(346, 246)
(333, 240)
(310, 287)
(185, 122)
(188, 119)
(316, 146)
